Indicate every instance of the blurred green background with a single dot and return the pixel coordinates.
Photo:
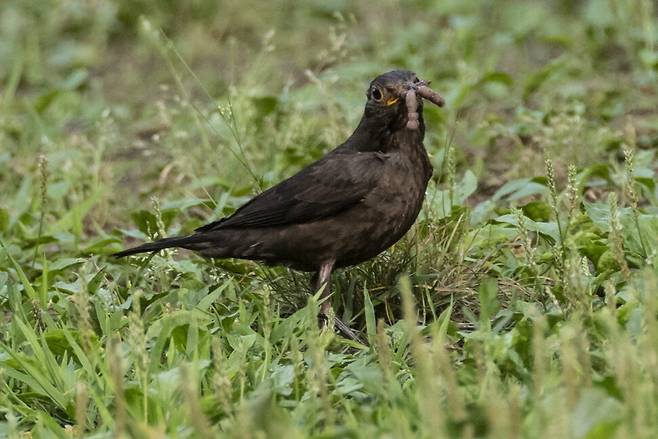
(138, 84)
(521, 304)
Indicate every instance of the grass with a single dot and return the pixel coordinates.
(522, 303)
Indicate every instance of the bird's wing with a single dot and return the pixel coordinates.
(323, 189)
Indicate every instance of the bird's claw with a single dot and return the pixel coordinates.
(323, 323)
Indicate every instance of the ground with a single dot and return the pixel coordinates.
(522, 304)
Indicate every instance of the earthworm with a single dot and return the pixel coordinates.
(412, 109)
(430, 95)
(411, 101)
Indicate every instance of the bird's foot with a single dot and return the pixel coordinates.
(347, 332)
(323, 323)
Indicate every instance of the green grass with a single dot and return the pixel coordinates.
(522, 304)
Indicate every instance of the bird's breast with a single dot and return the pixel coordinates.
(388, 212)
(366, 229)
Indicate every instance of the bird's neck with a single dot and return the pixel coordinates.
(410, 145)
(375, 134)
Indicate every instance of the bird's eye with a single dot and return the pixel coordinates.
(376, 94)
(416, 79)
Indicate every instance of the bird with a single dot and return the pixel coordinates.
(341, 210)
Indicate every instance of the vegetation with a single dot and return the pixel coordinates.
(522, 304)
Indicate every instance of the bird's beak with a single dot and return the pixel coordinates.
(392, 101)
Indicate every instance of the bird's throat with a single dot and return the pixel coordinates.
(379, 133)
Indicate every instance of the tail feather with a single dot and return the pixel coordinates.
(160, 244)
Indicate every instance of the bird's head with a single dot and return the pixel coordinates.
(394, 99)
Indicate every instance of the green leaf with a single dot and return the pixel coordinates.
(444, 322)
(441, 199)
(265, 105)
(369, 310)
(4, 219)
(536, 80)
(466, 187)
(537, 211)
(520, 188)
(27, 285)
(547, 229)
(596, 415)
(488, 293)
(72, 220)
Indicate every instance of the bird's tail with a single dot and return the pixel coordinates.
(160, 244)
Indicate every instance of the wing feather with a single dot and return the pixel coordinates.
(325, 188)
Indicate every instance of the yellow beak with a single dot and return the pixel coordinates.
(392, 101)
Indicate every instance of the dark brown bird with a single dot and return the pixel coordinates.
(345, 208)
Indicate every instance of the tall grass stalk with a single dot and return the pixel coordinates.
(42, 163)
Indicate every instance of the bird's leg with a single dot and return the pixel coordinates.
(323, 279)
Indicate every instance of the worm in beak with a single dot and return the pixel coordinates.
(411, 101)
